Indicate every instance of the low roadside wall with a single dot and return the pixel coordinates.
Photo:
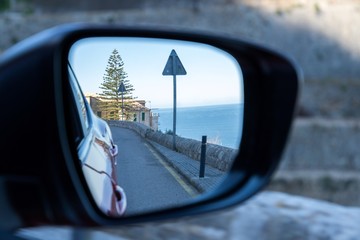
(141, 129)
(216, 156)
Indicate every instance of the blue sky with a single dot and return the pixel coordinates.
(213, 76)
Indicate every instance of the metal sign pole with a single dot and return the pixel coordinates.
(174, 114)
(174, 67)
(174, 109)
(122, 106)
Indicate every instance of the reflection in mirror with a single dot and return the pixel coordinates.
(166, 120)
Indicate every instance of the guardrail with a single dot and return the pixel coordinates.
(217, 156)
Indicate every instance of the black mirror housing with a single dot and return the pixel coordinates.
(42, 163)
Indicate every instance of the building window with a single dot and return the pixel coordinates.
(98, 113)
(143, 116)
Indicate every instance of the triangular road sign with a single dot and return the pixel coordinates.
(172, 61)
(122, 88)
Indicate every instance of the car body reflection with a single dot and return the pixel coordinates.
(97, 154)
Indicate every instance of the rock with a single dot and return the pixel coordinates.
(267, 216)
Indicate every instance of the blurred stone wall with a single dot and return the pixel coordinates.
(320, 35)
(322, 161)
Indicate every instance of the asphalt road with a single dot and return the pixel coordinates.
(149, 183)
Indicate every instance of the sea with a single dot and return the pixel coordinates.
(222, 124)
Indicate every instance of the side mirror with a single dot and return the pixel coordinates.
(108, 158)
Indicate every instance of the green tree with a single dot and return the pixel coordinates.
(114, 74)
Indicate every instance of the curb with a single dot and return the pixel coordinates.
(189, 169)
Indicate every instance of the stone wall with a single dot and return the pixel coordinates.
(216, 156)
(322, 161)
(141, 129)
(321, 35)
(320, 144)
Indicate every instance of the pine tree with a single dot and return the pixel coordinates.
(112, 98)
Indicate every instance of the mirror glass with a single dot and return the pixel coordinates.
(164, 120)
